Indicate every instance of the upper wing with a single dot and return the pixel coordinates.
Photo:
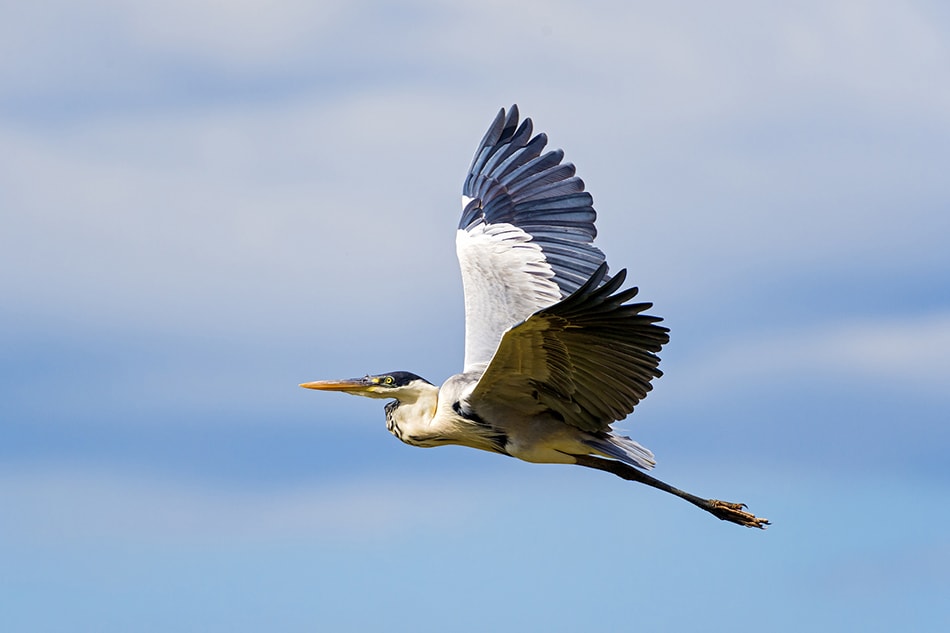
(589, 359)
(524, 240)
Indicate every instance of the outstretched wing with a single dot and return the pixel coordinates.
(524, 240)
(588, 359)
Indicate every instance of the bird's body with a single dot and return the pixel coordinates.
(427, 416)
(554, 351)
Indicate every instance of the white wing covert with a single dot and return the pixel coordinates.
(525, 236)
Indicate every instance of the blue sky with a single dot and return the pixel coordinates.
(204, 204)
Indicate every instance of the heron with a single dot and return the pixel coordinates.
(555, 351)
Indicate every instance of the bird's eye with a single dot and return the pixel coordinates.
(389, 380)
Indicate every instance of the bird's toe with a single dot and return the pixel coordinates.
(735, 512)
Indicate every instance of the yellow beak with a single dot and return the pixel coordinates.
(352, 385)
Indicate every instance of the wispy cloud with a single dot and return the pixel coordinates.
(912, 353)
(183, 212)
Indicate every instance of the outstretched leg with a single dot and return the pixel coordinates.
(722, 509)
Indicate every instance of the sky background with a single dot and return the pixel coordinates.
(206, 203)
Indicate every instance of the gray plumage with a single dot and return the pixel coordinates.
(555, 352)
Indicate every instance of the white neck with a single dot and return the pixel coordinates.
(408, 417)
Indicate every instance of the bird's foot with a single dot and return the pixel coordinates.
(735, 512)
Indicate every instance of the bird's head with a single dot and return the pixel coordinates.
(401, 385)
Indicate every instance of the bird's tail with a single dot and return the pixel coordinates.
(623, 448)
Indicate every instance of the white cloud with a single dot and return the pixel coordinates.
(911, 353)
(324, 204)
(124, 48)
(189, 217)
(714, 60)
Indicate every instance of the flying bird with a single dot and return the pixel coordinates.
(555, 352)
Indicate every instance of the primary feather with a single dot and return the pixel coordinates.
(525, 236)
